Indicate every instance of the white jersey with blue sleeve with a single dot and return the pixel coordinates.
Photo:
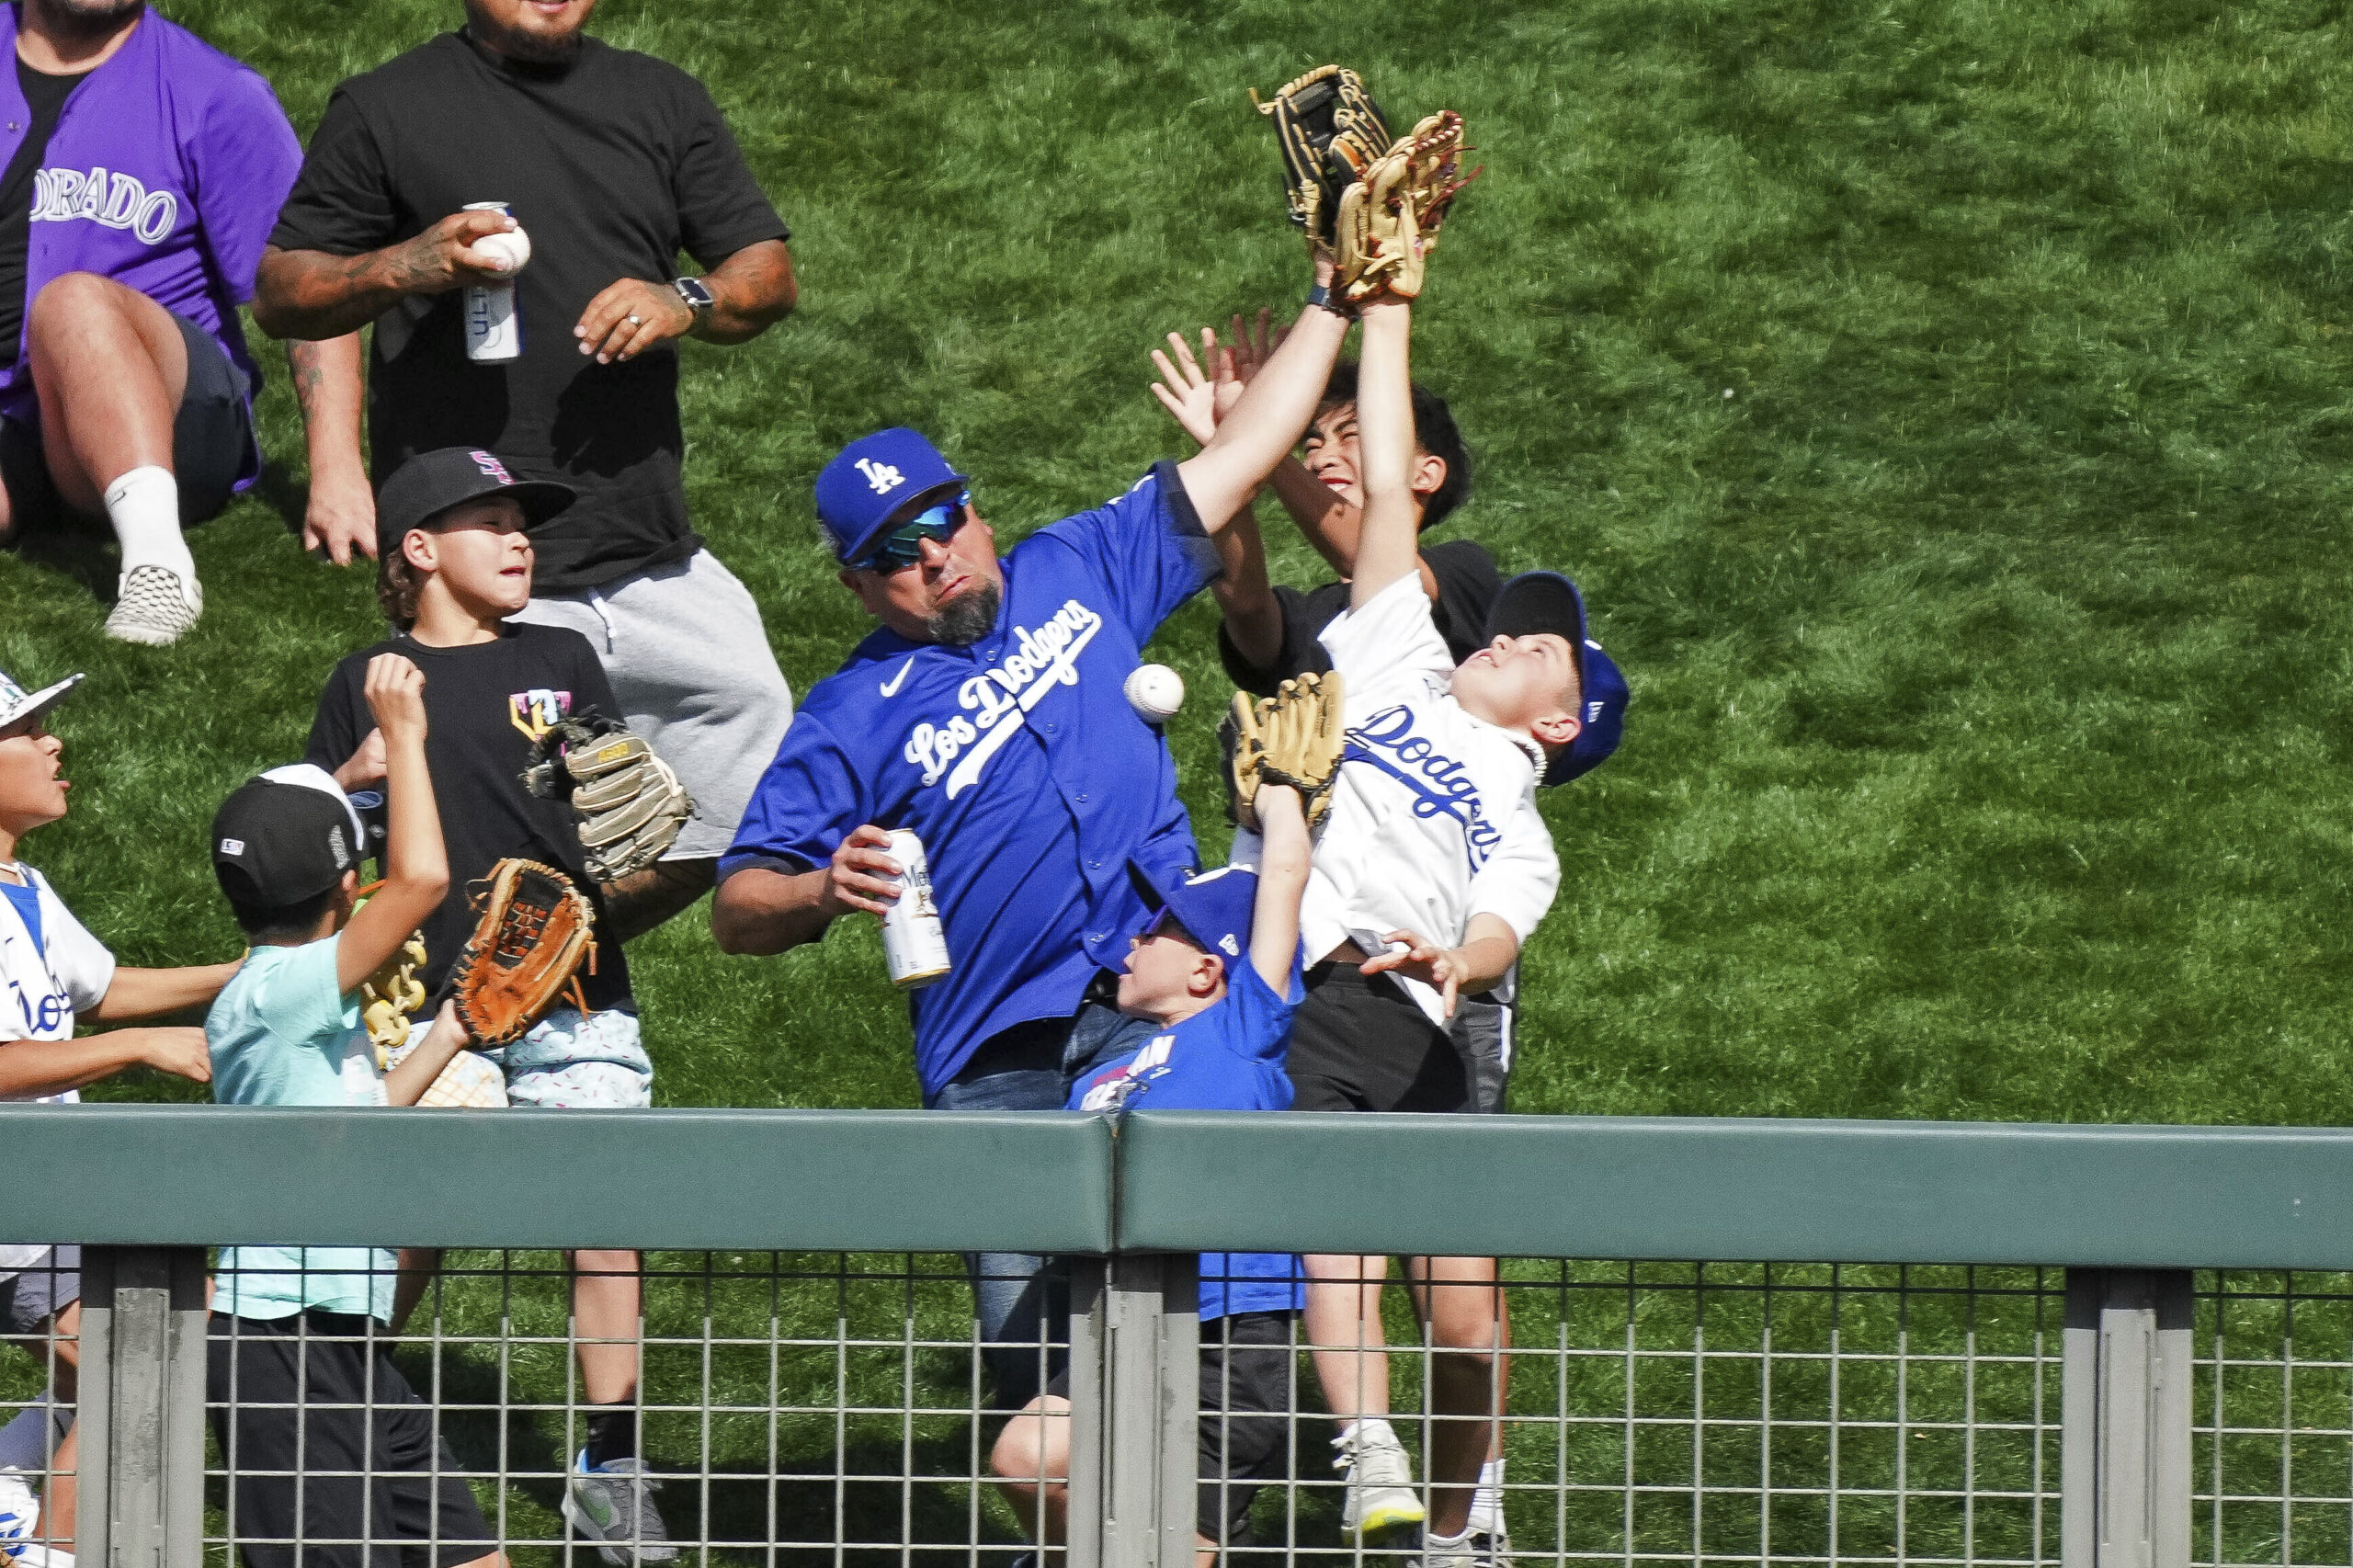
(1016, 760)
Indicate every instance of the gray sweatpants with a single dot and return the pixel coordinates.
(690, 660)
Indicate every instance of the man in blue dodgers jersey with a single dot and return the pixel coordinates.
(1222, 1022)
(987, 716)
(1434, 868)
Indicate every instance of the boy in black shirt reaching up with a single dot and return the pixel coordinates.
(455, 548)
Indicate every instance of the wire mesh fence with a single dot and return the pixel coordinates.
(804, 1407)
(807, 1407)
(800, 1408)
(2273, 1419)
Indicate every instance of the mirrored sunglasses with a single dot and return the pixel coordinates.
(902, 547)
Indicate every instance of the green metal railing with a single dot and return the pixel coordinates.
(1734, 1341)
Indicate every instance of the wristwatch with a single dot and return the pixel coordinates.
(1321, 295)
(697, 296)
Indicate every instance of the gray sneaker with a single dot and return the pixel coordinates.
(154, 605)
(613, 1502)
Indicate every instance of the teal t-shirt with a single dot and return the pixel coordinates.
(282, 1033)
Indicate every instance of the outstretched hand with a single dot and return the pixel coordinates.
(1199, 400)
(1422, 959)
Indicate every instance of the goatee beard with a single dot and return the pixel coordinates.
(89, 19)
(529, 49)
(967, 619)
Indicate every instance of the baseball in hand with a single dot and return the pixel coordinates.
(1155, 692)
(511, 246)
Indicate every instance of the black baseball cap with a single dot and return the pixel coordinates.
(287, 836)
(432, 483)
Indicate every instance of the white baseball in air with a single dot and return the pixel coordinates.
(1155, 692)
(513, 247)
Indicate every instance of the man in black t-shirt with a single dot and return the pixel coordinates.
(612, 163)
(456, 536)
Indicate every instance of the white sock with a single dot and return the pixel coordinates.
(1373, 1426)
(1487, 1502)
(144, 507)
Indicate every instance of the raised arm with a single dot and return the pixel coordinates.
(1246, 597)
(1386, 549)
(416, 866)
(1269, 419)
(1283, 854)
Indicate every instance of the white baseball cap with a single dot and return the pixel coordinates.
(19, 707)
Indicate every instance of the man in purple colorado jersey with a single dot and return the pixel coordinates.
(139, 172)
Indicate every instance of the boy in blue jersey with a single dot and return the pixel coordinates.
(328, 1442)
(1223, 1024)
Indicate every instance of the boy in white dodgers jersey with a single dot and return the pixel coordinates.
(1435, 854)
(330, 1443)
(1218, 971)
(57, 975)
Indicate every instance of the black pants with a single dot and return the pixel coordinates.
(308, 1395)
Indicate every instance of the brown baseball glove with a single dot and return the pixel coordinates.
(1389, 220)
(1331, 131)
(535, 930)
(1294, 737)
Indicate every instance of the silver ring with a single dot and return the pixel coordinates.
(637, 320)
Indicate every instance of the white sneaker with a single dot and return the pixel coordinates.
(1381, 1479)
(1472, 1548)
(154, 605)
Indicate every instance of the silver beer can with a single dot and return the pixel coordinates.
(913, 941)
(494, 330)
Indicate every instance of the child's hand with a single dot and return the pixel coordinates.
(396, 696)
(365, 766)
(180, 1051)
(1421, 960)
(1190, 397)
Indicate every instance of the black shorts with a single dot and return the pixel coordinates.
(212, 444)
(1247, 1408)
(1359, 1043)
(261, 1422)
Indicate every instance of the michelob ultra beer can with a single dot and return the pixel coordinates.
(913, 938)
(494, 332)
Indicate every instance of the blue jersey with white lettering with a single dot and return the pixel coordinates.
(1228, 1056)
(1018, 763)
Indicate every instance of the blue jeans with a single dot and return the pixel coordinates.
(1021, 1297)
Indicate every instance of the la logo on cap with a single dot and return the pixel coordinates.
(492, 467)
(883, 477)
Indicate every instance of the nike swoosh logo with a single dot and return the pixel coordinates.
(890, 686)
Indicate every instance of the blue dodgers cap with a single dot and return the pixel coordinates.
(1214, 907)
(871, 478)
(1546, 601)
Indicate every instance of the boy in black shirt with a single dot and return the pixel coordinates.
(456, 565)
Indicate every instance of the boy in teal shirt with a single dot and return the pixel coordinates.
(300, 1377)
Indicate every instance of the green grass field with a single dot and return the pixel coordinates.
(1944, 404)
